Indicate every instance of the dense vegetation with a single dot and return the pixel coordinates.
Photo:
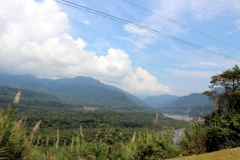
(33, 99)
(58, 114)
(83, 90)
(90, 133)
(68, 120)
(221, 128)
(17, 142)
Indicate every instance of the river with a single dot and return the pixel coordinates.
(178, 132)
(179, 117)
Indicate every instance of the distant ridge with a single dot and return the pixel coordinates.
(160, 100)
(84, 90)
(193, 105)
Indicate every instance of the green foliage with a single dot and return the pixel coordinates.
(223, 132)
(221, 129)
(80, 90)
(194, 140)
(109, 134)
(156, 145)
(12, 142)
(69, 120)
(16, 143)
(225, 91)
(193, 105)
(215, 133)
(223, 125)
(33, 99)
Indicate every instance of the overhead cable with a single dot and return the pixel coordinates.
(199, 32)
(71, 4)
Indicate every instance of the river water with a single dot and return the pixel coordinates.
(179, 117)
(178, 132)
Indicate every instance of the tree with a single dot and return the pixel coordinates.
(222, 126)
(225, 91)
(221, 129)
(109, 135)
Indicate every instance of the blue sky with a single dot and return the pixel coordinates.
(48, 39)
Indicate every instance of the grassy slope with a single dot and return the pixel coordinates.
(227, 154)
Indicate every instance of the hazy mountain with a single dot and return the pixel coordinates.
(159, 101)
(130, 96)
(193, 105)
(84, 90)
(27, 81)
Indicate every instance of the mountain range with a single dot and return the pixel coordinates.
(160, 100)
(86, 91)
(194, 105)
(33, 99)
(83, 90)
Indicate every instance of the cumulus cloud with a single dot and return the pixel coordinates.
(36, 41)
(142, 78)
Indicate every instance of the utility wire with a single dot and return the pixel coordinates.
(181, 24)
(143, 28)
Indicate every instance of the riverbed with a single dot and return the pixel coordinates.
(179, 117)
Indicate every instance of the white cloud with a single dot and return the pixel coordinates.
(198, 59)
(35, 41)
(200, 10)
(198, 64)
(86, 22)
(135, 30)
(140, 81)
(190, 73)
(184, 12)
(237, 22)
(140, 39)
(206, 63)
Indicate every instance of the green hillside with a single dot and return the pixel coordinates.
(33, 99)
(83, 90)
(193, 105)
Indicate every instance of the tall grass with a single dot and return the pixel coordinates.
(13, 142)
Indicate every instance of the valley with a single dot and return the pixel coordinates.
(68, 104)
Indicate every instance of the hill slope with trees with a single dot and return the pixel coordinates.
(160, 100)
(193, 105)
(84, 90)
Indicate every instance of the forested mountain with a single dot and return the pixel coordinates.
(160, 100)
(83, 90)
(33, 99)
(130, 96)
(193, 105)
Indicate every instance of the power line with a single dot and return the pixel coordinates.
(77, 6)
(182, 25)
